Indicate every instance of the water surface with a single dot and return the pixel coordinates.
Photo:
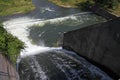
(42, 30)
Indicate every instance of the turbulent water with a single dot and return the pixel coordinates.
(38, 31)
(40, 60)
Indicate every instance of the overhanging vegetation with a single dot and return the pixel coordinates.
(10, 46)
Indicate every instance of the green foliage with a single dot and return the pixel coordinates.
(108, 3)
(10, 46)
(84, 5)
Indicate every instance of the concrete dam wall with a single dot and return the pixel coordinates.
(7, 70)
(99, 43)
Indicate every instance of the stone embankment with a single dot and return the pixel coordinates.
(99, 43)
(7, 70)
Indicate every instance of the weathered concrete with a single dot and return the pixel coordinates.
(7, 71)
(99, 43)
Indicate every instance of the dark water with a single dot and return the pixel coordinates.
(55, 64)
(59, 65)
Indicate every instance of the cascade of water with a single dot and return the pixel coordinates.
(35, 66)
(19, 27)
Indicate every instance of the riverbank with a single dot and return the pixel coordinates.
(66, 3)
(82, 4)
(115, 11)
(15, 7)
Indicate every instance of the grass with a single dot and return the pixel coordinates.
(115, 11)
(8, 7)
(68, 3)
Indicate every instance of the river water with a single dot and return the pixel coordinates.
(41, 30)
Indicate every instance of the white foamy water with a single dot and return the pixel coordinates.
(19, 27)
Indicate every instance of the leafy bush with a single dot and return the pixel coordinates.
(108, 3)
(10, 46)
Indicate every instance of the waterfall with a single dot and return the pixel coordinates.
(19, 27)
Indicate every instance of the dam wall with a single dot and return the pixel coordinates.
(7, 70)
(99, 43)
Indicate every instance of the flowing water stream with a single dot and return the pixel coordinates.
(41, 31)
